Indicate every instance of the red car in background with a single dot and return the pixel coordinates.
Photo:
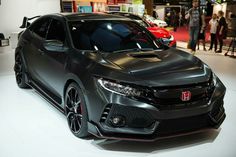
(164, 34)
(160, 33)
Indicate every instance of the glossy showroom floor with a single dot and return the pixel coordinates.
(30, 127)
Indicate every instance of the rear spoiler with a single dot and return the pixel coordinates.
(26, 22)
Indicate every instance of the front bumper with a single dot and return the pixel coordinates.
(145, 122)
(170, 43)
(173, 44)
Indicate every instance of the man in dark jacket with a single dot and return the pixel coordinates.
(221, 30)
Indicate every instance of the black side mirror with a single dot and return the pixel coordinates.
(55, 46)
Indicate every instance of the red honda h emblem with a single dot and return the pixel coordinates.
(186, 96)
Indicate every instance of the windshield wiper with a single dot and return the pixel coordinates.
(92, 51)
(134, 50)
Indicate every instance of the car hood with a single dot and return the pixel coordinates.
(159, 32)
(161, 68)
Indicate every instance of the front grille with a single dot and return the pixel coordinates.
(170, 97)
(181, 125)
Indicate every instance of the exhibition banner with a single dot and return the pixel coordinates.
(137, 1)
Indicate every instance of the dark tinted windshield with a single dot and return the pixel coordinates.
(110, 36)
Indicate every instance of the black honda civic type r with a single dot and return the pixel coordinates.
(112, 78)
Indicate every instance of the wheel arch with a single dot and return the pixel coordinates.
(73, 78)
(21, 53)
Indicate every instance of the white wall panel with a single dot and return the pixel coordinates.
(13, 11)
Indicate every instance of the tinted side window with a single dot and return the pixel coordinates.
(56, 31)
(40, 27)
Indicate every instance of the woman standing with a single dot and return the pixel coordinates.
(213, 28)
(221, 30)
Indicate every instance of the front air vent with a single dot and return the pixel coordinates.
(149, 57)
(105, 113)
(145, 56)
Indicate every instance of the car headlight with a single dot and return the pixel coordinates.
(171, 38)
(214, 79)
(114, 87)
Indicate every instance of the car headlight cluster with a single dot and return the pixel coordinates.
(167, 40)
(119, 88)
(214, 79)
(171, 38)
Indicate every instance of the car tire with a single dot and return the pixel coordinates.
(76, 111)
(20, 74)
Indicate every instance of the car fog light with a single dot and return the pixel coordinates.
(118, 121)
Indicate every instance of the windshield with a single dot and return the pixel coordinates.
(111, 36)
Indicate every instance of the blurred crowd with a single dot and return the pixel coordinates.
(198, 25)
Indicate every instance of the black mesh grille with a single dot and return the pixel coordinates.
(170, 97)
(218, 110)
(134, 117)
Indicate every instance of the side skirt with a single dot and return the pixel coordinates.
(45, 95)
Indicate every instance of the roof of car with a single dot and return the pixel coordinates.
(126, 14)
(88, 16)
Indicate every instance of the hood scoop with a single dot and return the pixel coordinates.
(149, 57)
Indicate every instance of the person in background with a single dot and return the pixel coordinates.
(221, 30)
(183, 20)
(202, 32)
(231, 30)
(194, 22)
(175, 20)
(213, 23)
(167, 19)
(154, 14)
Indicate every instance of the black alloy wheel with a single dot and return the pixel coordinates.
(75, 110)
(20, 72)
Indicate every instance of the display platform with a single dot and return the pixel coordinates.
(30, 126)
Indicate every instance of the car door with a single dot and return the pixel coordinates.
(53, 59)
(34, 45)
